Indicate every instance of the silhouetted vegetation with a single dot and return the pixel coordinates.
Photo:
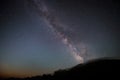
(99, 69)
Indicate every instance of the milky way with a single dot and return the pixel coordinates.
(42, 36)
(58, 28)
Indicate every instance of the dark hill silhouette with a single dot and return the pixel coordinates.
(99, 69)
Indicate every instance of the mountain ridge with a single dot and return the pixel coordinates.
(101, 68)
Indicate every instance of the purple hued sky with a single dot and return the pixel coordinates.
(41, 36)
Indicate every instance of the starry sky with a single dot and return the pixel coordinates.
(41, 36)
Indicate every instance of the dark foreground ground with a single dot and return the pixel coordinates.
(99, 69)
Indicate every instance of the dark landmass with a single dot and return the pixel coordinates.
(99, 69)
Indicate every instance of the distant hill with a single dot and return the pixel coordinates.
(99, 69)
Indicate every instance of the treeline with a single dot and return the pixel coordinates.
(99, 69)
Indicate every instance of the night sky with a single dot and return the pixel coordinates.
(41, 36)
